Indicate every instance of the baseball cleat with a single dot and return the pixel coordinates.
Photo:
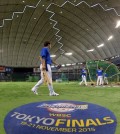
(35, 92)
(54, 94)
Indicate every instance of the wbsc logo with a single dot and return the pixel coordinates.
(60, 117)
(62, 107)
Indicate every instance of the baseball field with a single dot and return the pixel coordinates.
(15, 94)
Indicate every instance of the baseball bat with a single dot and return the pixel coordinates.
(46, 78)
(45, 75)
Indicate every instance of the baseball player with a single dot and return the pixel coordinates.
(99, 75)
(84, 74)
(105, 75)
(45, 66)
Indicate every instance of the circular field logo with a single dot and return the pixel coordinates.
(60, 117)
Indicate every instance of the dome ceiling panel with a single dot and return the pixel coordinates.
(72, 26)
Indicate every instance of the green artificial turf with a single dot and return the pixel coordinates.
(15, 94)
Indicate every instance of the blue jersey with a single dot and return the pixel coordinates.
(105, 75)
(100, 72)
(45, 54)
(84, 72)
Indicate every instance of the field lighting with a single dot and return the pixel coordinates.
(90, 50)
(63, 65)
(53, 56)
(110, 37)
(100, 45)
(118, 24)
(68, 54)
(68, 64)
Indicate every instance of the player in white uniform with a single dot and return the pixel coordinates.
(105, 78)
(99, 76)
(45, 66)
(84, 74)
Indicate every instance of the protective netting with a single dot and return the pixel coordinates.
(109, 68)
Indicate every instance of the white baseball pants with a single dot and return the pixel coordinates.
(105, 80)
(83, 80)
(99, 80)
(40, 82)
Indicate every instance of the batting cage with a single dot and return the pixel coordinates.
(110, 69)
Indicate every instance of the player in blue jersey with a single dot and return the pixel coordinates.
(84, 74)
(99, 74)
(45, 65)
(105, 75)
